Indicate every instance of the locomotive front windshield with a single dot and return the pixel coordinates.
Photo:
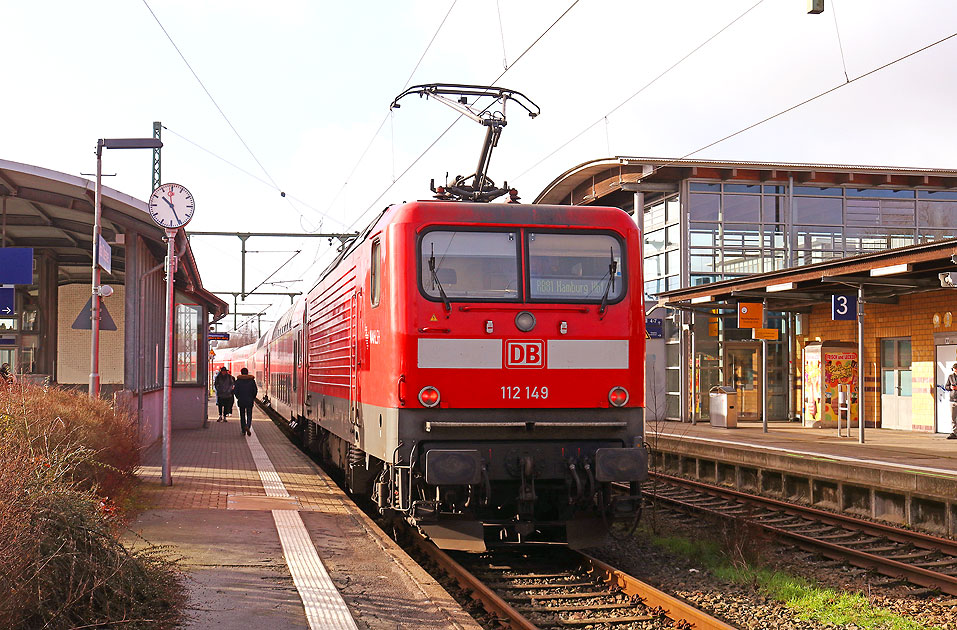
(565, 266)
(484, 266)
(470, 265)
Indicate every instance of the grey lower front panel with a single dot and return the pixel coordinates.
(391, 434)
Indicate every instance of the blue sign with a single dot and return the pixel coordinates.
(219, 336)
(654, 328)
(16, 265)
(844, 307)
(8, 301)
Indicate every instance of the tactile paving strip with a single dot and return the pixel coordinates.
(324, 606)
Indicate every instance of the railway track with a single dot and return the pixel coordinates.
(539, 588)
(921, 559)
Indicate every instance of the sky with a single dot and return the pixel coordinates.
(260, 98)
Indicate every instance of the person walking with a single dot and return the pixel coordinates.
(6, 377)
(224, 384)
(951, 386)
(245, 391)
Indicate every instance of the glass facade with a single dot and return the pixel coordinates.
(710, 231)
(188, 332)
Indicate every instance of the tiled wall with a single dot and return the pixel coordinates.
(73, 346)
(913, 317)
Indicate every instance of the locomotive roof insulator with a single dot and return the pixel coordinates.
(476, 187)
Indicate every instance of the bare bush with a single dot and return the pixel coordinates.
(63, 458)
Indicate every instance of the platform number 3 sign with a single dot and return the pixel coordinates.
(843, 307)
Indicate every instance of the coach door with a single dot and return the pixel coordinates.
(946, 357)
(355, 346)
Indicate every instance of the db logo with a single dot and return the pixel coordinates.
(525, 354)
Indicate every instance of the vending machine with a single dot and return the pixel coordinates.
(830, 384)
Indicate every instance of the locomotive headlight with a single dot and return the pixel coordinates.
(525, 321)
(429, 396)
(618, 396)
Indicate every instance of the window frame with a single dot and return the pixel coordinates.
(622, 267)
(375, 273)
(419, 271)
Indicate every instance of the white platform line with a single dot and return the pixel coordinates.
(325, 608)
(272, 484)
(841, 458)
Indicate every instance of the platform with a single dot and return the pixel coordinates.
(900, 477)
(269, 541)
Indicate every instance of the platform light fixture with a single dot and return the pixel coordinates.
(104, 143)
(784, 286)
(890, 270)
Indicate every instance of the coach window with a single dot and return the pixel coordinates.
(186, 361)
(575, 267)
(374, 273)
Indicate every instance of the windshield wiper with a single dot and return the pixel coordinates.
(436, 283)
(612, 269)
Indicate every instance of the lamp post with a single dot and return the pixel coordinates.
(104, 143)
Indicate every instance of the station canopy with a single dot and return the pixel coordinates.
(53, 212)
(884, 277)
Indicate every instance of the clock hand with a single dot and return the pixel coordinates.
(172, 207)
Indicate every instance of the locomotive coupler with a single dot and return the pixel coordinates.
(526, 490)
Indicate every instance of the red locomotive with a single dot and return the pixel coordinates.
(475, 367)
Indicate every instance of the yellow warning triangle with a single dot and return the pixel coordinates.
(434, 318)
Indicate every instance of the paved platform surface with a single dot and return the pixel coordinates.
(233, 524)
(926, 453)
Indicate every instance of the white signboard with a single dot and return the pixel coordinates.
(105, 260)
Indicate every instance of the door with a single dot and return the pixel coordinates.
(743, 371)
(896, 384)
(946, 357)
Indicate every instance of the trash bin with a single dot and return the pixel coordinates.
(724, 407)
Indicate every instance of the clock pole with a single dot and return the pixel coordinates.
(171, 206)
(168, 362)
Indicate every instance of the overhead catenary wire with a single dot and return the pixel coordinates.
(375, 203)
(643, 88)
(386, 118)
(251, 175)
(840, 45)
(222, 113)
(213, 100)
(803, 103)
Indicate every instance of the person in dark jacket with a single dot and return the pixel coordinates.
(951, 386)
(245, 391)
(223, 384)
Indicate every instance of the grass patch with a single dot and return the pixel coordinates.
(810, 602)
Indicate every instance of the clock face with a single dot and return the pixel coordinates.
(171, 206)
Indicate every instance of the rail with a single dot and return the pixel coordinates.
(921, 559)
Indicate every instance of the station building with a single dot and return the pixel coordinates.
(710, 223)
(47, 339)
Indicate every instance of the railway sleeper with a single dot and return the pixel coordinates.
(531, 587)
(534, 598)
(574, 607)
(589, 621)
(916, 555)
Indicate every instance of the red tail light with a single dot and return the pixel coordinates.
(618, 396)
(429, 396)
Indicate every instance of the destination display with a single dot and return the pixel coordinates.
(568, 287)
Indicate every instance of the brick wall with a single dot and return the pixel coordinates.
(73, 346)
(913, 317)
